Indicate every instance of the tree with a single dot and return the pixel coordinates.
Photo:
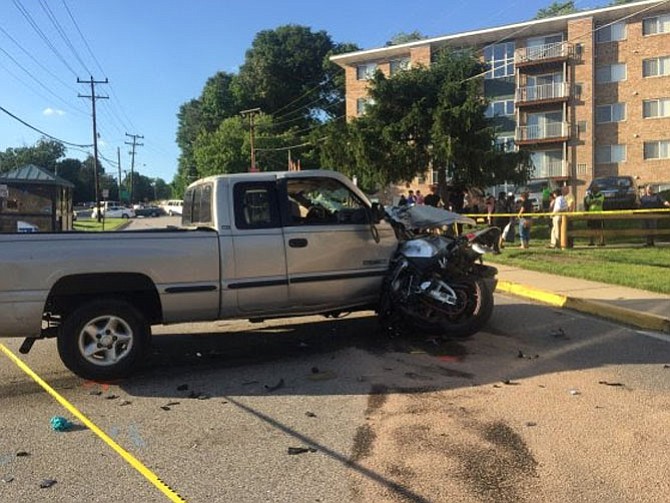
(404, 38)
(557, 9)
(283, 71)
(425, 117)
(45, 154)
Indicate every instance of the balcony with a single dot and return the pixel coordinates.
(551, 169)
(545, 93)
(549, 132)
(541, 54)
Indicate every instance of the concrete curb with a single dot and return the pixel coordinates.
(624, 315)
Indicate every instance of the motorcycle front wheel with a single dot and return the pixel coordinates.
(468, 316)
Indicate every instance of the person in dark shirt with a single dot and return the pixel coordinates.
(525, 220)
(432, 199)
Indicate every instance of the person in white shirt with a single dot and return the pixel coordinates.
(559, 205)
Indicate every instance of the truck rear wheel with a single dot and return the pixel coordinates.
(104, 339)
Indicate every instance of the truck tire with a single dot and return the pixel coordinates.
(104, 339)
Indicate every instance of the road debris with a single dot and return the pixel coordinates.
(280, 384)
(95, 392)
(125, 402)
(559, 333)
(530, 423)
(508, 382)
(59, 423)
(165, 407)
(47, 483)
(606, 383)
(310, 414)
(300, 450)
(111, 397)
(7, 479)
(22, 454)
(198, 395)
(575, 392)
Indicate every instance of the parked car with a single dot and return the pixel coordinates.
(22, 226)
(173, 207)
(149, 211)
(535, 189)
(621, 192)
(114, 212)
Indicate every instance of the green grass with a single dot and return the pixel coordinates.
(111, 224)
(632, 266)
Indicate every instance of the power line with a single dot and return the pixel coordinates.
(63, 35)
(40, 131)
(41, 34)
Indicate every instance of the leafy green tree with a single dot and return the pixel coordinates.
(404, 38)
(45, 154)
(557, 9)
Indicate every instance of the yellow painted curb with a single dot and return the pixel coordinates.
(553, 299)
(637, 319)
(621, 314)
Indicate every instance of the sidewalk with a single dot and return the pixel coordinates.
(639, 308)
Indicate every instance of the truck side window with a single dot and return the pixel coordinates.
(197, 208)
(323, 201)
(256, 205)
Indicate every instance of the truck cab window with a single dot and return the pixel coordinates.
(323, 201)
(256, 206)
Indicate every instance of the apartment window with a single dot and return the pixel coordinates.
(611, 33)
(366, 72)
(657, 149)
(616, 112)
(656, 108)
(398, 65)
(578, 89)
(610, 154)
(655, 67)
(611, 73)
(656, 25)
(505, 143)
(362, 105)
(499, 108)
(500, 60)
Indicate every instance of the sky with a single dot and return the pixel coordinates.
(158, 54)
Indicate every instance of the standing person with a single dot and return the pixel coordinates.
(559, 205)
(648, 201)
(419, 197)
(593, 202)
(490, 204)
(525, 220)
(570, 201)
(501, 208)
(432, 199)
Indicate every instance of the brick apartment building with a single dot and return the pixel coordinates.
(588, 94)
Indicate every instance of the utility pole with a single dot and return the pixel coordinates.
(132, 161)
(118, 162)
(252, 112)
(93, 97)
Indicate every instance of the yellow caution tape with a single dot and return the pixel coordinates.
(129, 458)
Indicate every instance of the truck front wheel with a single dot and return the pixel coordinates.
(104, 339)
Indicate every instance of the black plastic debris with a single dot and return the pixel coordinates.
(171, 404)
(606, 383)
(111, 397)
(47, 483)
(22, 454)
(280, 384)
(95, 392)
(310, 414)
(530, 424)
(125, 402)
(182, 387)
(300, 450)
(165, 407)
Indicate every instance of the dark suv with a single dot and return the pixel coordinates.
(621, 192)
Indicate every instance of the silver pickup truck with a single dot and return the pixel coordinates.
(251, 246)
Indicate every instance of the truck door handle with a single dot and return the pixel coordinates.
(297, 243)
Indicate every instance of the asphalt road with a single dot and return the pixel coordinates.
(544, 406)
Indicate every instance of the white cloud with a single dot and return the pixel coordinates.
(52, 111)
